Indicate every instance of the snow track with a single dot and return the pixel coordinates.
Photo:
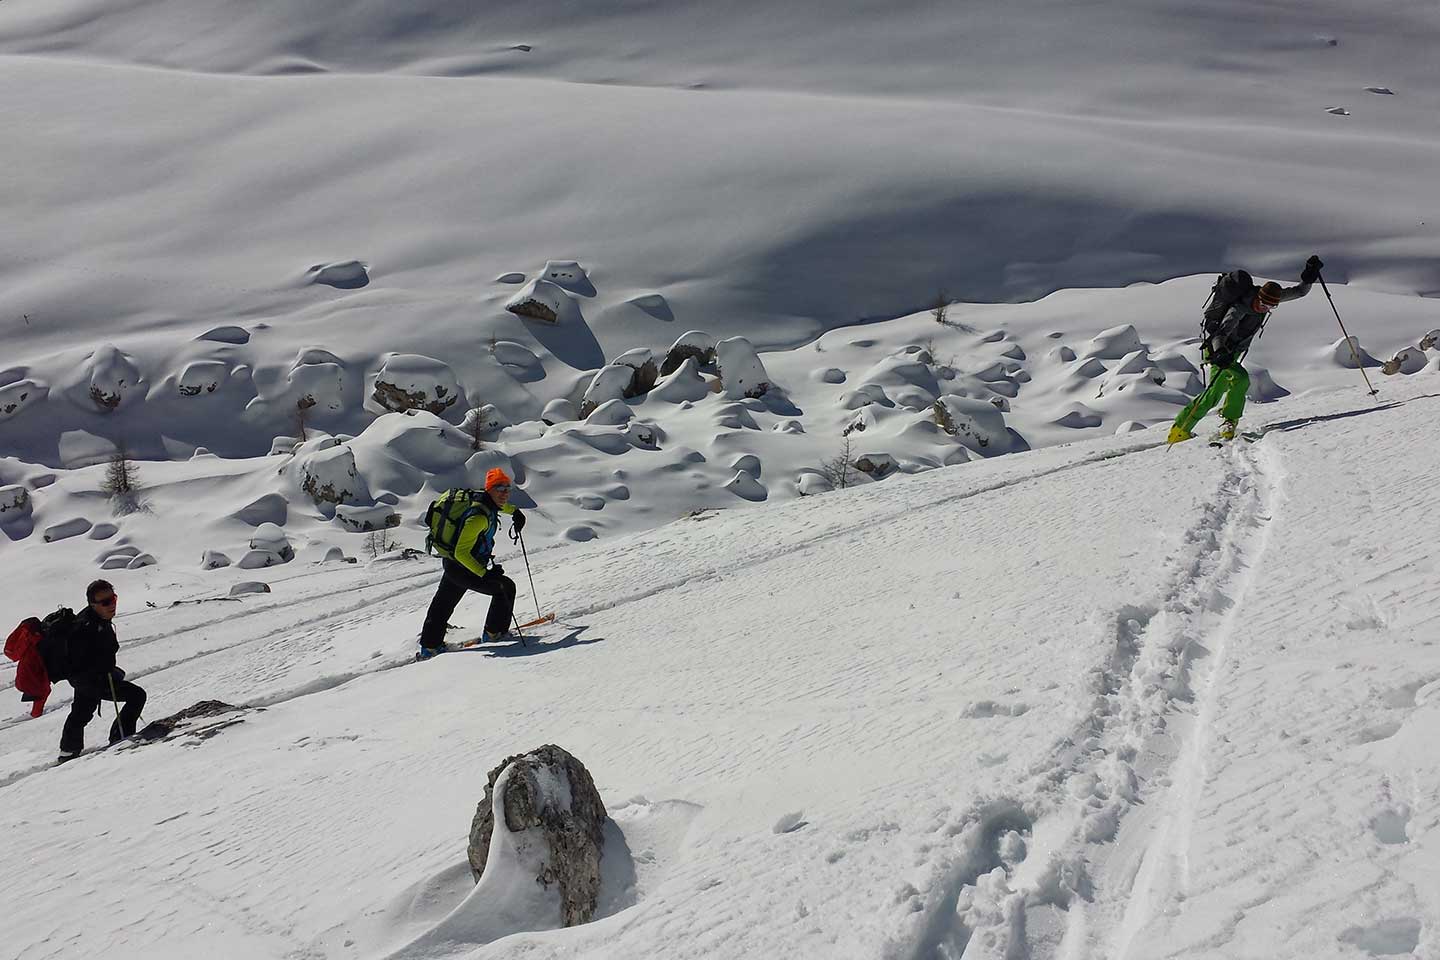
(1072, 863)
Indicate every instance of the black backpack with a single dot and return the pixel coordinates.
(55, 631)
(1229, 289)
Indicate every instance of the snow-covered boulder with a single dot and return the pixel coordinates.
(694, 345)
(364, 519)
(748, 463)
(559, 410)
(270, 537)
(642, 361)
(410, 381)
(978, 424)
(484, 421)
(877, 465)
(741, 372)
(810, 484)
(271, 508)
(631, 375)
(540, 300)
(316, 381)
(14, 502)
(538, 836)
(1407, 361)
(228, 333)
(746, 487)
(682, 384)
(512, 354)
(20, 395)
(829, 375)
(66, 529)
(213, 560)
(1114, 343)
(201, 377)
(611, 413)
(259, 559)
(123, 553)
(1078, 416)
(864, 395)
(570, 275)
(342, 274)
(141, 560)
(1344, 351)
(246, 588)
(107, 376)
(283, 446)
(1263, 387)
(329, 476)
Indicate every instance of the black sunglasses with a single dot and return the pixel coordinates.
(106, 601)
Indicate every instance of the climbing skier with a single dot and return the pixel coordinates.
(1235, 314)
(462, 525)
(83, 651)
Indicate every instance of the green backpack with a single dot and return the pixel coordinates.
(446, 518)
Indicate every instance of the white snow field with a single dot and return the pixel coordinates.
(1030, 686)
(1101, 700)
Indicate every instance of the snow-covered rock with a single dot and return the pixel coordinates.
(258, 559)
(978, 424)
(541, 823)
(810, 484)
(66, 529)
(269, 536)
(611, 413)
(201, 377)
(540, 300)
(1344, 351)
(228, 334)
(409, 381)
(365, 519)
(611, 382)
(329, 476)
(103, 531)
(214, 560)
(271, 508)
(570, 275)
(513, 354)
(747, 462)
(141, 560)
(746, 487)
(316, 381)
(1408, 361)
(694, 345)
(14, 502)
(246, 588)
(559, 410)
(741, 372)
(19, 396)
(1263, 387)
(876, 465)
(682, 384)
(1078, 416)
(107, 376)
(484, 421)
(830, 375)
(864, 395)
(1114, 343)
(343, 274)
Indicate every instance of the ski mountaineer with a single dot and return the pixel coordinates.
(462, 526)
(85, 655)
(1235, 314)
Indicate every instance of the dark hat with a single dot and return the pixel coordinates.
(1271, 293)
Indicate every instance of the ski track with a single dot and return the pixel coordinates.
(1140, 741)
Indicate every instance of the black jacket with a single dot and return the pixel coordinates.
(1242, 321)
(90, 650)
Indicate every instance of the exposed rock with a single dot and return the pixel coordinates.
(877, 465)
(330, 478)
(1431, 340)
(694, 344)
(201, 377)
(741, 372)
(1407, 361)
(549, 800)
(408, 381)
(167, 725)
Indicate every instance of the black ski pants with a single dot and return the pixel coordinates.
(88, 695)
(456, 580)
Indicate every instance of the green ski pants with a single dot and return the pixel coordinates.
(1230, 382)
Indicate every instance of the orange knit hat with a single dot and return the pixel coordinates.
(495, 477)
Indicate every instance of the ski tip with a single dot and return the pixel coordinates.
(544, 618)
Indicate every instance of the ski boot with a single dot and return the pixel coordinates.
(1178, 434)
(425, 653)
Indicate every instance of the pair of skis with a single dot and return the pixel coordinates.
(476, 642)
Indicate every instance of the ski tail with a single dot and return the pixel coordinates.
(546, 618)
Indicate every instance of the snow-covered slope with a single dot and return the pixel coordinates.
(1100, 700)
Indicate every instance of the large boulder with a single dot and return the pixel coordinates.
(15, 397)
(316, 381)
(330, 477)
(741, 372)
(682, 384)
(108, 376)
(978, 424)
(548, 815)
(540, 300)
(409, 381)
(14, 502)
(694, 345)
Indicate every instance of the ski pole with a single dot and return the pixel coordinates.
(1354, 351)
(115, 701)
(533, 594)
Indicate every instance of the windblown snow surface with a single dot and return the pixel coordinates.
(1029, 686)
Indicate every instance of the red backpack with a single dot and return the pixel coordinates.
(31, 677)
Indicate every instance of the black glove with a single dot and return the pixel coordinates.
(1312, 270)
(495, 571)
(517, 521)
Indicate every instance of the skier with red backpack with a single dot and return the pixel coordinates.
(1234, 316)
(463, 524)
